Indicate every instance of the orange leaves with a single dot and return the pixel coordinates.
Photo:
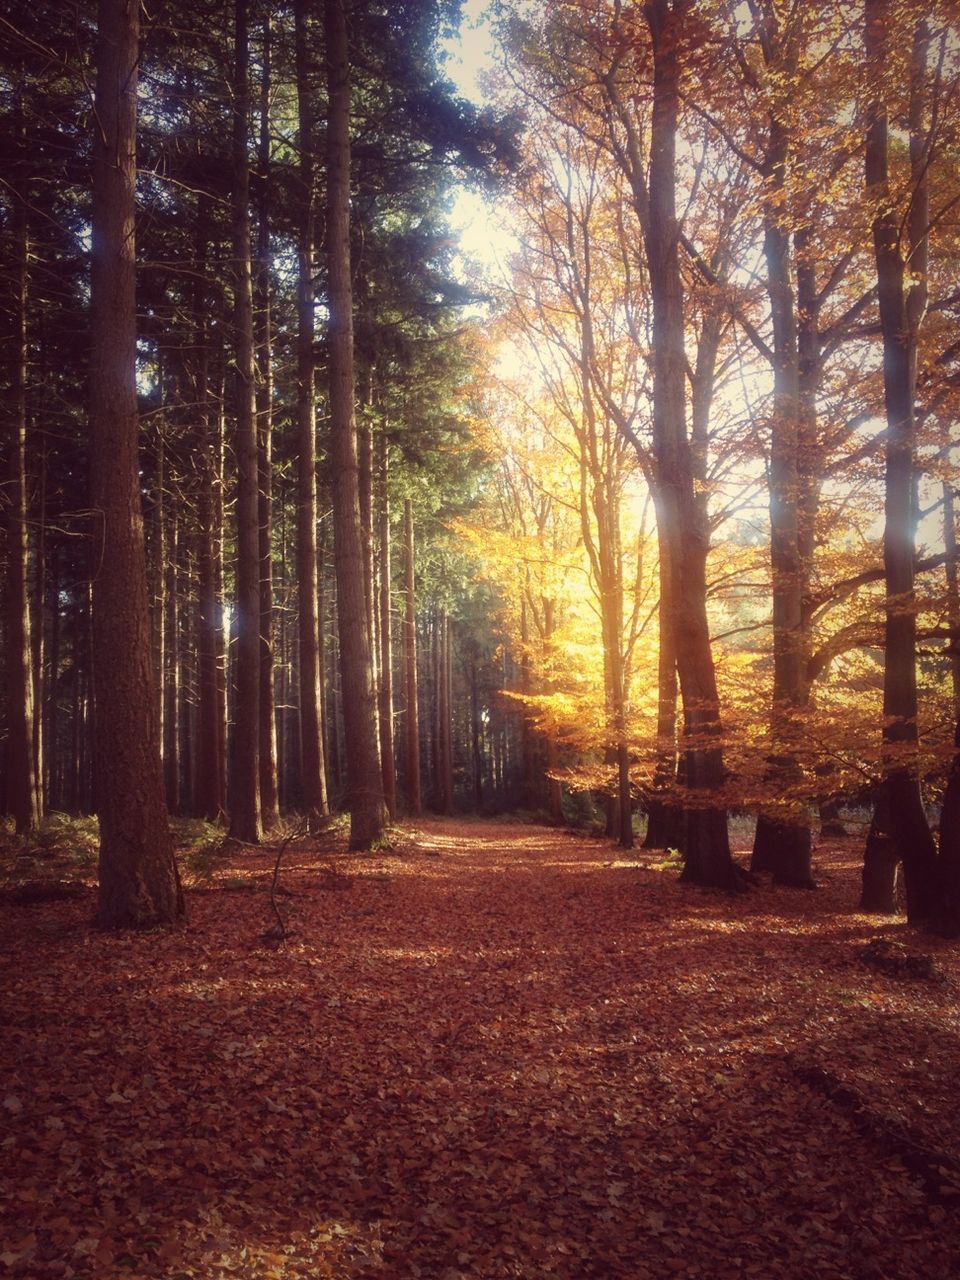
(506, 1060)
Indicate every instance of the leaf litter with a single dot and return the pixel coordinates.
(500, 1055)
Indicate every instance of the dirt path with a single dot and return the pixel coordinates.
(496, 1052)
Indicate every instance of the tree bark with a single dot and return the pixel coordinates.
(368, 814)
(209, 797)
(139, 885)
(899, 321)
(707, 858)
(269, 803)
(312, 763)
(412, 717)
(782, 840)
(664, 815)
(387, 755)
(22, 799)
(171, 673)
(244, 797)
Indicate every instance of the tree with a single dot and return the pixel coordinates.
(23, 799)
(368, 815)
(244, 796)
(139, 885)
(312, 764)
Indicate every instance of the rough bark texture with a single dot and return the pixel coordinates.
(244, 799)
(706, 848)
(139, 886)
(368, 814)
(412, 717)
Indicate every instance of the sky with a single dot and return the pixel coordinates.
(475, 218)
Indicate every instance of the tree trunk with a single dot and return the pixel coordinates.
(269, 804)
(782, 839)
(445, 714)
(368, 814)
(313, 769)
(881, 862)
(387, 757)
(209, 797)
(664, 816)
(139, 885)
(414, 801)
(171, 674)
(899, 322)
(22, 801)
(244, 798)
(706, 848)
(948, 913)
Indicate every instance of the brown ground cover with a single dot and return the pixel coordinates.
(498, 1051)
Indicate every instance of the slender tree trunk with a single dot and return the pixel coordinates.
(368, 813)
(209, 796)
(139, 885)
(188, 667)
(412, 717)
(244, 800)
(22, 801)
(387, 754)
(269, 804)
(313, 768)
(171, 674)
(51, 710)
(445, 715)
(706, 848)
(38, 636)
(948, 919)
(900, 315)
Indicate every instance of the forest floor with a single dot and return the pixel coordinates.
(496, 1051)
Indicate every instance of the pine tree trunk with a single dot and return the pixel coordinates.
(171, 674)
(51, 710)
(244, 795)
(22, 801)
(139, 885)
(948, 914)
(38, 636)
(387, 755)
(209, 797)
(269, 803)
(411, 713)
(445, 715)
(706, 848)
(368, 813)
(312, 763)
